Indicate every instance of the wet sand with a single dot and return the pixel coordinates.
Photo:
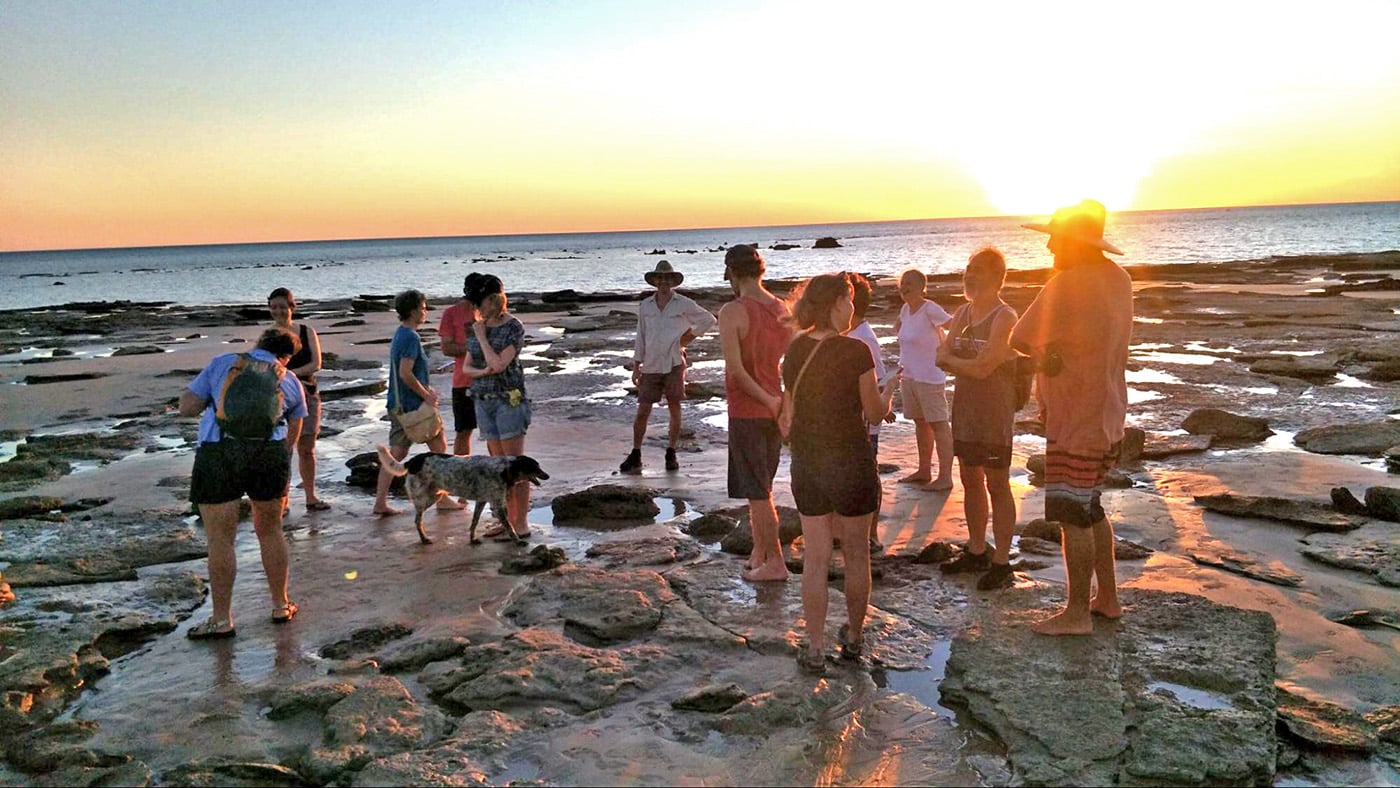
(171, 701)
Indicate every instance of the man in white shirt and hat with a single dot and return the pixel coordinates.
(666, 322)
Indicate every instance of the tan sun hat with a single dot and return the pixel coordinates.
(1082, 222)
(664, 268)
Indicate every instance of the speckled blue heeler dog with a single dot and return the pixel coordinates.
(476, 478)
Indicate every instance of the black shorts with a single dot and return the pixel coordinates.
(226, 470)
(755, 446)
(841, 482)
(973, 454)
(463, 410)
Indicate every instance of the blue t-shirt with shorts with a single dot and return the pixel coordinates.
(210, 380)
(406, 344)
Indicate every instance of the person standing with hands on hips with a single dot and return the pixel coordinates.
(666, 323)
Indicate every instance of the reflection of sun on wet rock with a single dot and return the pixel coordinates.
(376, 720)
(1370, 439)
(1226, 425)
(1273, 572)
(477, 753)
(108, 547)
(1374, 550)
(606, 506)
(1387, 722)
(1325, 726)
(211, 772)
(1096, 715)
(1317, 516)
(57, 638)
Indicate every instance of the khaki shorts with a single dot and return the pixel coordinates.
(924, 401)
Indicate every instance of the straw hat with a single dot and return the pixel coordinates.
(664, 268)
(1082, 223)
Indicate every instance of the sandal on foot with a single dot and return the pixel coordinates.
(283, 614)
(494, 531)
(811, 662)
(850, 651)
(317, 506)
(505, 535)
(211, 630)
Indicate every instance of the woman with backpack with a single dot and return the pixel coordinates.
(979, 353)
(832, 396)
(305, 364)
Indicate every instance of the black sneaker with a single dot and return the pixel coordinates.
(633, 463)
(967, 562)
(999, 576)
(672, 464)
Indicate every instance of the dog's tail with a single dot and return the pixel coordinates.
(388, 463)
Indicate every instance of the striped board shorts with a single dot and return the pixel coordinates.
(1073, 481)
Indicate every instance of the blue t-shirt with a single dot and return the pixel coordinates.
(207, 383)
(406, 344)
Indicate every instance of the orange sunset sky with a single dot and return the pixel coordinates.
(153, 123)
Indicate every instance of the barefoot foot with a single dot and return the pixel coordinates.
(770, 572)
(1065, 623)
(1108, 610)
(388, 511)
(916, 478)
(446, 504)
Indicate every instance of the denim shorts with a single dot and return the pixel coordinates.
(499, 420)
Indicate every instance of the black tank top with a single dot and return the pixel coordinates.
(302, 357)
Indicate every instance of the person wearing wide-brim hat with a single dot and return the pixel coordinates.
(666, 323)
(1078, 329)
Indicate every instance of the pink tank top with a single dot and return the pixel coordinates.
(762, 352)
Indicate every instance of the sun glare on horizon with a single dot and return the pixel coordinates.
(185, 125)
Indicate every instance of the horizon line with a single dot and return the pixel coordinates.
(656, 229)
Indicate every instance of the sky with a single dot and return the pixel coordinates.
(159, 123)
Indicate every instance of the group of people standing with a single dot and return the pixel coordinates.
(826, 391)
(809, 372)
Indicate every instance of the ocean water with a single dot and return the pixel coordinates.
(615, 262)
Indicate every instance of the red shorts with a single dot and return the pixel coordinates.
(1073, 481)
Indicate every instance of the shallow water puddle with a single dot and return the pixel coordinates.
(1159, 357)
(1195, 698)
(1150, 376)
(1345, 381)
(671, 508)
(922, 684)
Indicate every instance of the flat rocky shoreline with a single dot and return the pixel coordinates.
(1261, 559)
